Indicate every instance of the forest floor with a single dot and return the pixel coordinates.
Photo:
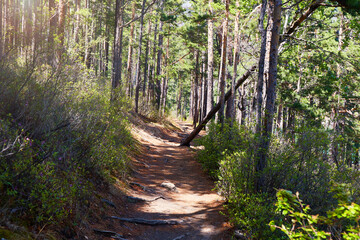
(193, 205)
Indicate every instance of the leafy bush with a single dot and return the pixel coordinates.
(302, 165)
(58, 133)
(341, 223)
(220, 141)
(251, 213)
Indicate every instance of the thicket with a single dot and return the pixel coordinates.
(341, 222)
(299, 163)
(59, 135)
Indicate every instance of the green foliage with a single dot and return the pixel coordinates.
(342, 222)
(299, 163)
(59, 133)
(251, 212)
(219, 142)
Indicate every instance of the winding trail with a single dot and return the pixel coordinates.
(193, 204)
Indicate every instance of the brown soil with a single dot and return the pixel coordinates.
(193, 204)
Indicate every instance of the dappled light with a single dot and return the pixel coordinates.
(179, 119)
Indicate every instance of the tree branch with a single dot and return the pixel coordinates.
(138, 17)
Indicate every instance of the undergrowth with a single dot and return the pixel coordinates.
(59, 136)
(303, 166)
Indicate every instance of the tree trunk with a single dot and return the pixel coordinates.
(260, 82)
(151, 89)
(243, 102)
(211, 114)
(117, 57)
(130, 53)
(192, 96)
(231, 103)
(1, 29)
(205, 90)
(196, 90)
(275, 23)
(179, 100)
(334, 148)
(158, 66)
(222, 74)
(146, 66)
(7, 25)
(166, 79)
(210, 63)
(106, 49)
(77, 21)
(53, 20)
(61, 28)
(16, 35)
(137, 83)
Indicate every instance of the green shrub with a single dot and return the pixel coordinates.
(220, 141)
(301, 165)
(59, 133)
(340, 223)
(251, 213)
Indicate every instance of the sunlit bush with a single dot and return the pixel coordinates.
(301, 165)
(58, 132)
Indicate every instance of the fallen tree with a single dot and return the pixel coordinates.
(289, 32)
(210, 115)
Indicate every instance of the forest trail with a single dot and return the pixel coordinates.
(193, 204)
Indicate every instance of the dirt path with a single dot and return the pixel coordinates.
(193, 204)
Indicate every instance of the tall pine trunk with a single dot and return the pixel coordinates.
(146, 65)
(205, 88)
(130, 53)
(231, 102)
(210, 63)
(137, 80)
(275, 22)
(196, 90)
(222, 75)
(260, 81)
(53, 20)
(1, 29)
(117, 56)
(61, 27)
(158, 65)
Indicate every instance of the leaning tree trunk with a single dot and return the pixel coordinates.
(275, 23)
(211, 114)
(186, 142)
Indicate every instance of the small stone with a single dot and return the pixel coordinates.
(239, 235)
(169, 186)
